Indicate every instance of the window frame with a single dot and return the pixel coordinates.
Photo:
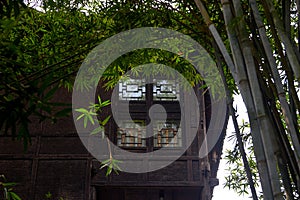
(139, 110)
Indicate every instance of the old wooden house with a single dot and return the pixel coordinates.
(57, 162)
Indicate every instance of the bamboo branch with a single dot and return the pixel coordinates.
(217, 38)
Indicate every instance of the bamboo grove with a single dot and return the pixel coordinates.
(265, 83)
(254, 43)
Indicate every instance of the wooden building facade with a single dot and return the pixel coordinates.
(57, 162)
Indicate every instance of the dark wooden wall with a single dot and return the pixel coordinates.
(57, 162)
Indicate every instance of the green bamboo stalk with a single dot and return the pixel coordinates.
(284, 61)
(266, 128)
(236, 127)
(217, 38)
(292, 129)
(247, 96)
(292, 54)
(280, 136)
(245, 91)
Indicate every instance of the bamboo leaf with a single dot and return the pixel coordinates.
(104, 122)
(15, 196)
(97, 130)
(80, 116)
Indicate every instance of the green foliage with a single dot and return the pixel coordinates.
(41, 51)
(112, 165)
(93, 110)
(9, 8)
(87, 116)
(237, 178)
(44, 49)
(136, 58)
(49, 196)
(6, 189)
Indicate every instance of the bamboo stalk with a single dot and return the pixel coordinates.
(278, 82)
(286, 12)
(217, 38)
(292, 54)
(284, 61)
(298, 23)
(244, 88)
(266, 129)
(280, 136)
(247, 97)
(265, 126)
(286, 149)
(237, 130)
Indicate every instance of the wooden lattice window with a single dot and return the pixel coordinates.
(168, 134)
(132, 134)
(141, 97)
